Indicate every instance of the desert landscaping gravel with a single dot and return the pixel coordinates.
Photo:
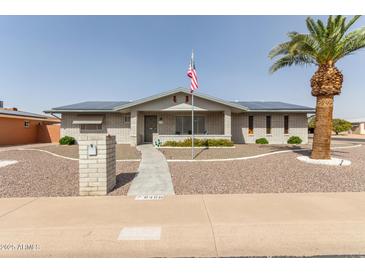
(39, 174)
(270, 174)
(123, 151)
(238, 151)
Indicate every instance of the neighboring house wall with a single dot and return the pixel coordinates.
(48, 133)
(14, 132)
(297, 127)
(113, 124)
(358, 128)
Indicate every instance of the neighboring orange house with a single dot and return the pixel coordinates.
(19, 127)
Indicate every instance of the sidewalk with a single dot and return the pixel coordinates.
(190, 226)
(153, 177)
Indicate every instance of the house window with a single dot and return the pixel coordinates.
(91, 127)
(26, 124)
(186, 98)
(174, 98)
(286, 124)
(127, 119)
(183, 125)
(268, 124)
(250, 124)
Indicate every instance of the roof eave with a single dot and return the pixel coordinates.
(78, 110)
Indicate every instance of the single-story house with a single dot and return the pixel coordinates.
(167, 116)
(358, 125)
(20, 127)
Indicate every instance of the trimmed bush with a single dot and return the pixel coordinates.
(199, 143)
(67, 140)
(295, 140)
(262, 141)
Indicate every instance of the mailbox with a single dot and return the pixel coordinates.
(91, 150)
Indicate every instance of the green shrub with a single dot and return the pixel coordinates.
(199, 143)
(262, 141)
(67, 140)
(295, 140)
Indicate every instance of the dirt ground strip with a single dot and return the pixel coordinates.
(123, 152)
(270, 174)
(38, 174)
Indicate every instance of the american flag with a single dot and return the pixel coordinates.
(192, 74)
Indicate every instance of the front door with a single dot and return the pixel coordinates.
(150, 127)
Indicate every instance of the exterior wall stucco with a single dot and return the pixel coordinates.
(297, 127)
(13, 131)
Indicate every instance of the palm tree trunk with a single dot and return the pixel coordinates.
(322, 133)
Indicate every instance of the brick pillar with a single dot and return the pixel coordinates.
(133, 134)
(227, 123)
(97, 175)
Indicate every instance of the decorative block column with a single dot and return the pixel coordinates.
(133, 134)
(227, 123)
(97, 164)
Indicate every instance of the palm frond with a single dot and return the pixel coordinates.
(324, 44)
(289, 60)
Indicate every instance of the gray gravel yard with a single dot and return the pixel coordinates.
(39, 174)
(270, 174)
(123, 152)
(239, 150)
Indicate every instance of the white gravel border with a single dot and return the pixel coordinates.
(253, 157)
(68, 158)
(330, 162)
(4, 163)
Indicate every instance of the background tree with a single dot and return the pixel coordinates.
(340, 125)
(323, 46)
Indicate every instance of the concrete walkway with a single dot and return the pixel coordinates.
(301, 224)
(153, 176)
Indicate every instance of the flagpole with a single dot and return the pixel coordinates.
(192, 125)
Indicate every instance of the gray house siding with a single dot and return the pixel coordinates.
(113, 124)
(297, 127)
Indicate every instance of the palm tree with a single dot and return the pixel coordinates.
(323, 46)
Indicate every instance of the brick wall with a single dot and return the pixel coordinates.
(297, 127)
(113, 124)
(97, 174)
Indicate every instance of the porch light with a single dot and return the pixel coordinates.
(160, 121)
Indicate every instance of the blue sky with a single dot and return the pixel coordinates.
(58, 60)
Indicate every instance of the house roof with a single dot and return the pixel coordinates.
(24, 114)
(272, 105)
(184, 90)
(112, 106)
(92, 105)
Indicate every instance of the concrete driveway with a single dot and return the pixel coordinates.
(308, 224)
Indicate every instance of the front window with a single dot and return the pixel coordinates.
(268, 124)
(250, 125)
(286, 124)
(127, 119)
(26, 124)
(183, 125)
(91, 127)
